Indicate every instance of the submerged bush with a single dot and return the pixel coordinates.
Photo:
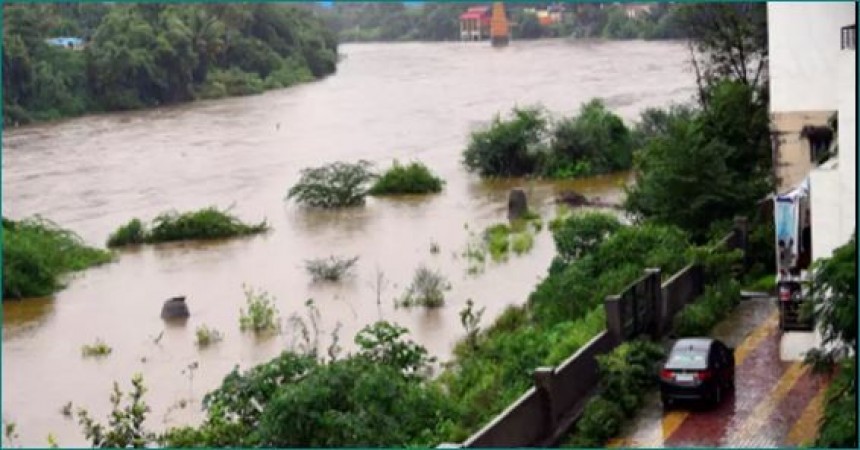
(261, 315)
(97, 349)
(511, 147)
(593, 142)
(427, 289)
(331, 268)
(334, 185)
(207, 336)
(206, 223)
(37, 254)
(134, 232)
(414, 178)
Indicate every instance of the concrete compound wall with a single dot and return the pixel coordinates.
(547, 411)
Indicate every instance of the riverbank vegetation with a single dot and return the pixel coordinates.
(206, 223)
(379, 396)
(440, 22)
(142, 55)
(38, 255)
(414, 178)
(530, 142)
(626, 375)
(834, 303)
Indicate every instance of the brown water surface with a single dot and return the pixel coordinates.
(405, 101)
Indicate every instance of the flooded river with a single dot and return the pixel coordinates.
(406, 101)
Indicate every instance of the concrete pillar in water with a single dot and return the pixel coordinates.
(517, 204)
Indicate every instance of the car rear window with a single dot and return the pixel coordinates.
(687, 359)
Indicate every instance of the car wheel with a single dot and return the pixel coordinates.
(667, 401)
(718, 395)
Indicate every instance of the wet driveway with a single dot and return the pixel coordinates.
(775, 404)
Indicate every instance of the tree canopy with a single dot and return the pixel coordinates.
(137, 55)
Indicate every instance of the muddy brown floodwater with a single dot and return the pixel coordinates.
(406, 101)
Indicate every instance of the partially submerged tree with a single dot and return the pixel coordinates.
(333, 185)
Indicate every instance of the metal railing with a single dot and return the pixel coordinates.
(849, 37)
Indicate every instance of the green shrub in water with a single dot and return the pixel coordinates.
(36, 255)
(414, 178)
(97, 349)
(206, 223)
(427, 289)
(134, 232)
(334, 185)
(261, 315)
(207, 336)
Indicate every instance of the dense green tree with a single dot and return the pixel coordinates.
(508, 147)
(595, 137)
(727, 41)
(683, 179)
(149, 54)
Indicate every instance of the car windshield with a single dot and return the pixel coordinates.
(687, 358)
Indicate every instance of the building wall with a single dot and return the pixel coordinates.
(804, 48)
(833, 184)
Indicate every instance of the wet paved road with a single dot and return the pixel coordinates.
(775, 404)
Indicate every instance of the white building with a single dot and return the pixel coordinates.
(812, 76)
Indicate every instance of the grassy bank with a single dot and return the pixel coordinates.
(206, 223)
(37, 254)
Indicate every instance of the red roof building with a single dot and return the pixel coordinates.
(475, 23)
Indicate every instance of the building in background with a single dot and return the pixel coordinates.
(812, 51)
(72, 43)
(475, 23)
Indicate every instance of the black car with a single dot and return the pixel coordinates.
(697, 369)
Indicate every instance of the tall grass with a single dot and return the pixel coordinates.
(414, 178)
(37, 254)
(206, 223)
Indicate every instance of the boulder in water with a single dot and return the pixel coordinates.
(175, 308)
(517, 204)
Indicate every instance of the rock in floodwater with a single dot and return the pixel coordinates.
(517, 204)
(175, 308)
(572, 198)
(575, 199)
